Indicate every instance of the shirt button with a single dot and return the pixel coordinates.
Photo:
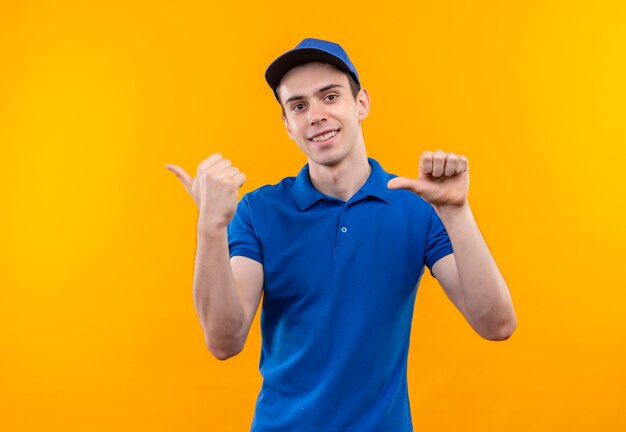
(344, 229)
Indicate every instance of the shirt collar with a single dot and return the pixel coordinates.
(376, 186)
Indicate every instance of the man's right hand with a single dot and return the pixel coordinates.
(214, 190)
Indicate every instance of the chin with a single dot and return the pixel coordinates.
(327, 160)
(327, 157)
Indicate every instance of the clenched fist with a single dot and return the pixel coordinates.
(443, 179)
(214, 190)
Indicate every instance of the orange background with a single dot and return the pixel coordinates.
(97, 326)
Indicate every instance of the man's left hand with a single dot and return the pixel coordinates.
(443, 179)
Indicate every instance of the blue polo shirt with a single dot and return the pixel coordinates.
(340, 284)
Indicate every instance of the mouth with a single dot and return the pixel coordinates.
(324, 136)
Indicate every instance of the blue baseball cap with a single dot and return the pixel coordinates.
(309, 50)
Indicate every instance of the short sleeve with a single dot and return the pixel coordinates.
(242, 238)
(437, 243)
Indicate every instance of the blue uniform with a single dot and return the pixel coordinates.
(340, 284)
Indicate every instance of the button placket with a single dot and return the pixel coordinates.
(342, 230)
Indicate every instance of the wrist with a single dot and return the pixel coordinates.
(450, 212)
(209, 225)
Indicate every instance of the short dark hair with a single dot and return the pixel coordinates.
(354, 88)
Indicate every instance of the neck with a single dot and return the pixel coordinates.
(344, 179)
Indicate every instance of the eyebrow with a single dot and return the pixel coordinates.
(322, 90)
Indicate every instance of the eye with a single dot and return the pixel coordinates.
(331, 97)
(297, 107)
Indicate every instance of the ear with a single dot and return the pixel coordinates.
(363, 102)
(287, 126)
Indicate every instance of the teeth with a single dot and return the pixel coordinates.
(324, 137)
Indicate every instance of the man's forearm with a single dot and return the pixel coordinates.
(485, 291)
(215, 295)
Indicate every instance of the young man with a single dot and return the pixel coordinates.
(338, 252)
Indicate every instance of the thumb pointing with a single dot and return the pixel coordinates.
(181, 174)
(406, 183)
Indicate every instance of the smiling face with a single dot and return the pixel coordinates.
(321, 114)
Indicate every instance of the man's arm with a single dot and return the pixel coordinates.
(470, 276)
(226, 292)
(471, 279)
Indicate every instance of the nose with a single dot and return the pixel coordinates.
(317, 113)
